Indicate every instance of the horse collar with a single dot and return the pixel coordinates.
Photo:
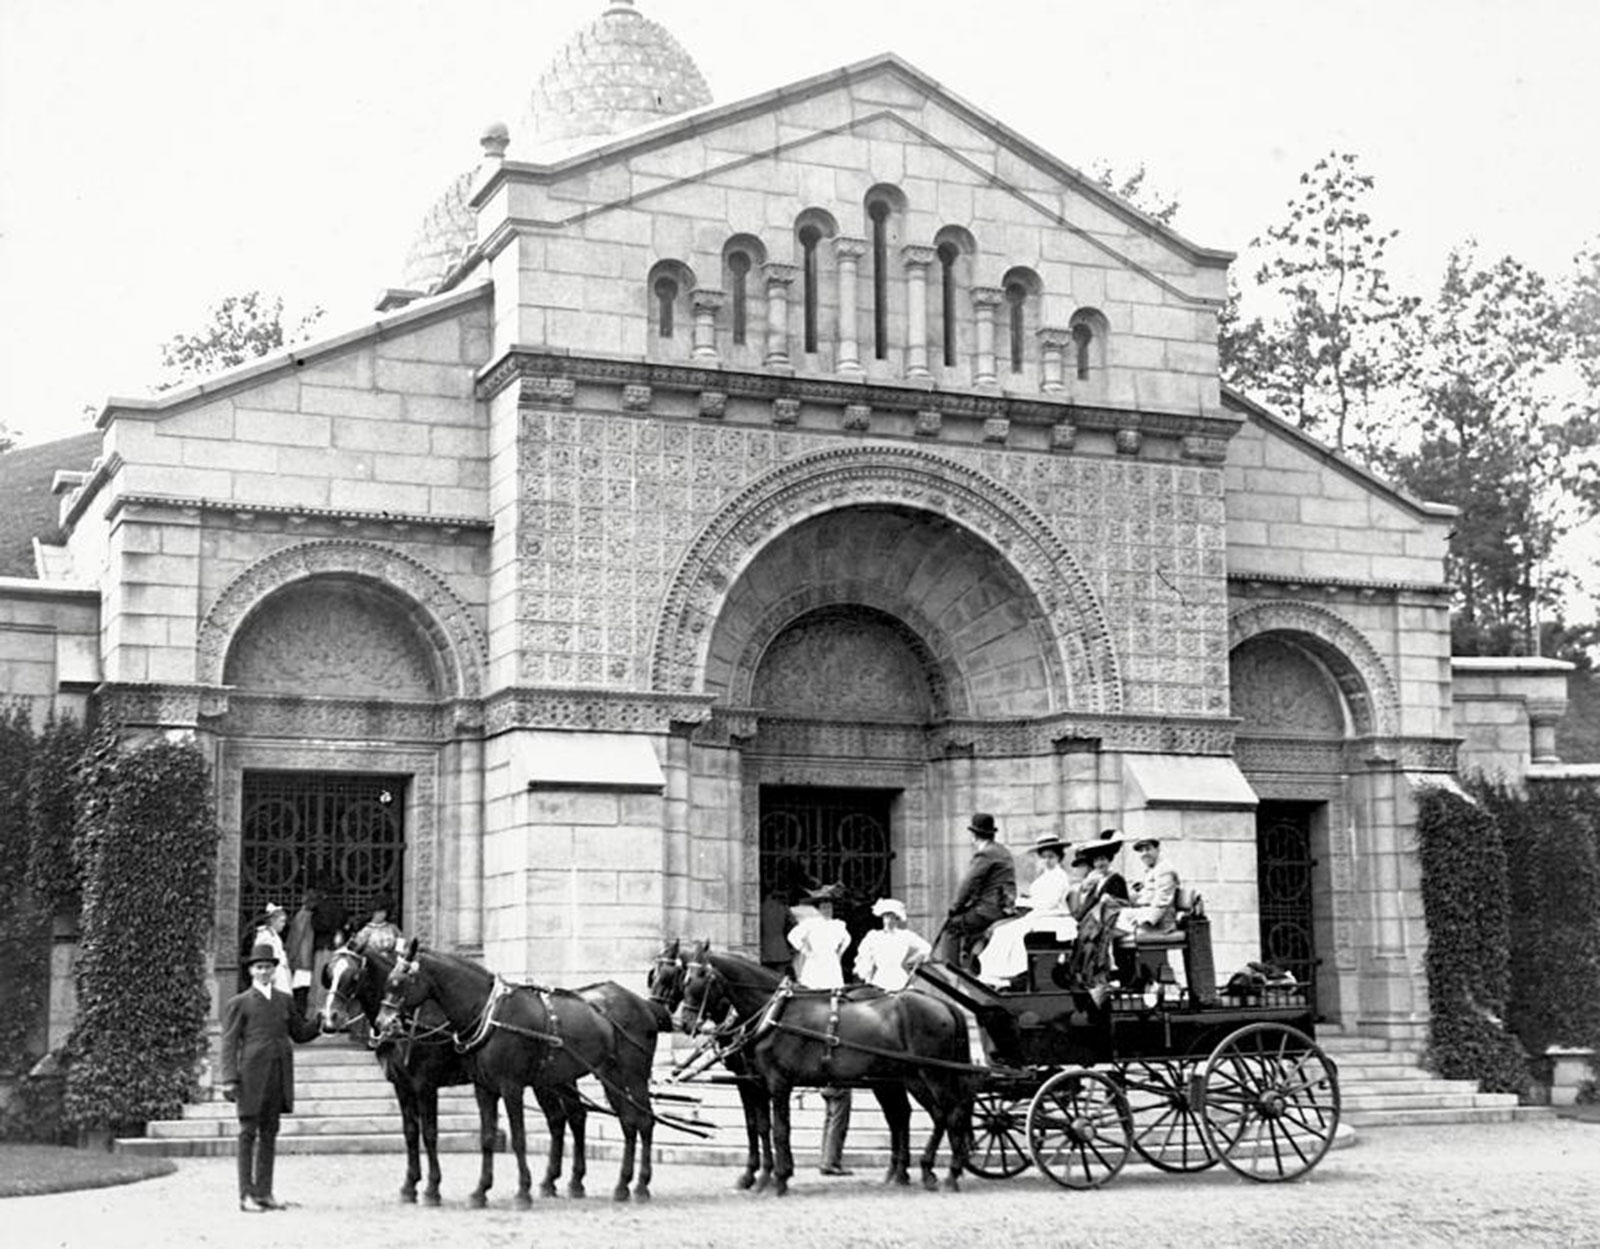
(486, 1023)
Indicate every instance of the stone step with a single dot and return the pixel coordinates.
(1476, 1114)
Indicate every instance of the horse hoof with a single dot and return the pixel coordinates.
(430, 1199)
(764, 1183)
(641, 1194)
(930, 1181)
(747, 1180)
(477, 1201)
(547, 1189)
(576, 1190)
(522, 1201)
(952, 1184)
(620, 1193)
(408, 1196)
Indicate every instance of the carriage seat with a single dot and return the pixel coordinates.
(1186, 906)
(1190, 934)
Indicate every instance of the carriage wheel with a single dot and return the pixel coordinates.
(999, 1136)
(1167, 1130)
(1078, 1128)
(1271, 1102)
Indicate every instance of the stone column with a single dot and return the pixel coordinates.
(705, 304)
(985, 299)
(1053, 345)
(848, 253)
(1544, 717)
(917, 259)
(779, 279)
(469, 849)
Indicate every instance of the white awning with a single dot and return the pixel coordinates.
(615, 761)
(1212, 781)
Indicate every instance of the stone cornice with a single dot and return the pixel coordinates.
(340, 517)
(1274, 583)
(337, 516)
(563, 707)
(519, 363)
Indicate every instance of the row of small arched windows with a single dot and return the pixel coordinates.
(743, 256)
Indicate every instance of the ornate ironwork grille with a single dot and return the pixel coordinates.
(1283, 878)
(812, 837)
(341, 833)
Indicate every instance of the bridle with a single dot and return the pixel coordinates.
(665, 980)
(336, 996)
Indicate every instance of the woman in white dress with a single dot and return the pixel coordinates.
(887, 956)
(1044, 908)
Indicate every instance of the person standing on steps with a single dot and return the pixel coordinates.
(819, 940)
(258, 1072)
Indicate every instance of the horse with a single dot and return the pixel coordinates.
(425, 1061)
(665, 981)
(894, 1043)
(540, 1038)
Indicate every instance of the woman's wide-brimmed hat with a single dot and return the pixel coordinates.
(1107, 844)
(271, 909)
(261, 952)
(824, 893)
(888, 906)
(983, 825)
(1049, 841)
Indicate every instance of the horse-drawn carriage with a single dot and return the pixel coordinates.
(1069, 1080)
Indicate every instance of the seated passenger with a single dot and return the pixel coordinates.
(1044, 907)
(1100, 897)
(1155, 894)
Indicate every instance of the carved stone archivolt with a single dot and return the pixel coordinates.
(913, 477)
(1278, 688)
(1342, 650)
(442, 618)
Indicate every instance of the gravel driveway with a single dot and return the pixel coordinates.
(1515, 1184)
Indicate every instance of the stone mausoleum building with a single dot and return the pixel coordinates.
(746, 493)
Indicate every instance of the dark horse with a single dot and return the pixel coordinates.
(530, 1037)
(665, 980)
(895, 1043)
(426, 1060)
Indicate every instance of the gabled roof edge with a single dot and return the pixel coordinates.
(296, 357)
(718, 115)
(1335, 459)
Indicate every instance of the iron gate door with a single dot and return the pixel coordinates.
(814, 836)
(339, 832)
(1283, 880)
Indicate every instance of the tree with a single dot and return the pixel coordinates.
(8, 437)
(1324, 354)
(241, 328)
(1131, 187)
(1494, 437)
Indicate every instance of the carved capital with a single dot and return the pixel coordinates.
(706, 300)
(916, 256)
(779, 275)
(1054, 337)
(987, 297)
(848, 248)
(785, 411)
(547, 390)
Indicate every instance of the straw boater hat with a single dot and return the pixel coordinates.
(888, 906)
(262, 953)
(1049, 841)
(1108, 843)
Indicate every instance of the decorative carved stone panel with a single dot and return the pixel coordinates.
(842, 663)
(1278, 688)
(331, 637)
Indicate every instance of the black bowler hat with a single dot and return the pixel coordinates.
(262, 953)
(983, 825)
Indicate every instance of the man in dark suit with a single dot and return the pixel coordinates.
(258, 1073)
(988, 892)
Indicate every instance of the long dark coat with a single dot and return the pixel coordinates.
(988, 890)
(256, 1053)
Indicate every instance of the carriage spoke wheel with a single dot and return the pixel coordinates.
(1271, 1102)
(999, 1137)
(1167, 1130)
(1078, 1128)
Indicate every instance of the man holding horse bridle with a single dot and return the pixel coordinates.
(988, 893)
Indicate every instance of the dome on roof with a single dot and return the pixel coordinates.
(446, 235)
(619, 72)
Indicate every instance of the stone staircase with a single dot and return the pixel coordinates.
(344, 1105)
(1384, 1087)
